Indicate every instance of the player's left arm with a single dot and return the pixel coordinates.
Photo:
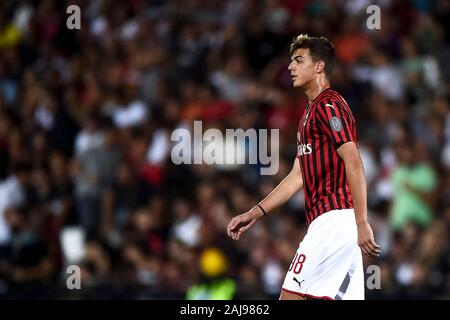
(354, 171)
(336, 122)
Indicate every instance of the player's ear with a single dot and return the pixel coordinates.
(320, 66)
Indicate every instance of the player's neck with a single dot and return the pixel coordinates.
(316, 88)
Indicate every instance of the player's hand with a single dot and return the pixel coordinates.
(366, 240)
(242, 223)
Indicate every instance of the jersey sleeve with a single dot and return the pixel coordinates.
(336, 122)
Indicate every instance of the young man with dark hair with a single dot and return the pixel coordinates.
(328, 262)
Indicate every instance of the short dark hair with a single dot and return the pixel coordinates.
(319, 48)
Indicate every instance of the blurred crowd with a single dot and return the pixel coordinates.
(86, 118)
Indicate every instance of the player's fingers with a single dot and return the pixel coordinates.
(230, 233)
(229, 227)
(367, 249)
(373, 252)
(370, 253)
(373, 247)
(374, 244)
(245, 228)
(364, 249)
(240, 232)
(233, 223)
(370, 248)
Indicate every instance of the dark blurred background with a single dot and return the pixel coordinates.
(86, 117)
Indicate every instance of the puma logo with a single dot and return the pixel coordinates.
(299, 282)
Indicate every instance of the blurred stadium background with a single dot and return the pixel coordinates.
(85, 123)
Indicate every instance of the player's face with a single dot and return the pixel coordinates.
(302, 67)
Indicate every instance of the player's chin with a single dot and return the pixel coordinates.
(296, 83)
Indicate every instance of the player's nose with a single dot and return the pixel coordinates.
(291, 67)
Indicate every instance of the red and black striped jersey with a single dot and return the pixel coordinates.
(326, 124)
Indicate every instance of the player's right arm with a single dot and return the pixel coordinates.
(290, 185)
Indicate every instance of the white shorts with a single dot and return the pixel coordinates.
(328, 262)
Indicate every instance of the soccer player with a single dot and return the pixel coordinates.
(328, 262)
